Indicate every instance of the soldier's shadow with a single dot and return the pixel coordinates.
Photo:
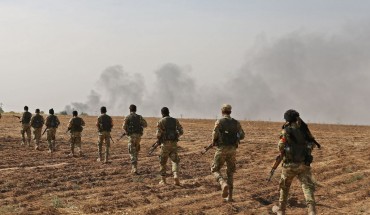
(293, 202)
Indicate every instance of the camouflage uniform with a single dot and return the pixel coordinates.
(75, 125)
(26, 127)
(104, 124)
(293, 166)
(165, 127)
(52, 123)
(133, 125)
(226, 152)
(37, 121)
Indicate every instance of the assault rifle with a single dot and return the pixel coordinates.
(154, 147)
(112, 139)
(124, 134)
(206, 148)
(278, 160)
(44, 131)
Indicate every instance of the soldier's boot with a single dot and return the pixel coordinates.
(176, 178)
(163, 180)
(279, 210)
(311, 209)
(106, 155)
(80, 152)
(50, 147)
(37, 145)
(134, 168)
(224, 188)
(72, 154)
(230, 196)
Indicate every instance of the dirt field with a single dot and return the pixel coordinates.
(33, 182)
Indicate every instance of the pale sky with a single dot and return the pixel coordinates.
(53, 52)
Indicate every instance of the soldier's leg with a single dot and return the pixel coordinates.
(72, 145)
(37, 134)
(23, 136)
(308, 187)
(286, 179)
(28, 131)
(49, 139)
(100, 146)
(107, 148)
(133, 151)
(218, 162)
(175, 160)
(78, 144)
(231, 167)
(163, 157)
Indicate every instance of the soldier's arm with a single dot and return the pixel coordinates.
(70, 124)
(240, 131)
(143, 122)
(125, 124)
(180, 130)
(42, 120)
(216, 132)
(47, 121)
(32, 119)
(160, 129)
(111, 121)
(82, 122)
(282, 141)
(97, 123)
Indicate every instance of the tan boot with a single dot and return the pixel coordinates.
(224, 188)
(163, 180)
(311, 209)
(134, 169)
(279, 210)
(176, 178)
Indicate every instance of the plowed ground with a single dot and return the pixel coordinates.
(33, 182)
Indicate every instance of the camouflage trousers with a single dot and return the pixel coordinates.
(104, 137)
(26, 129)
(303, 174)
(168, 150)
(224, 154)
(134, 147)
(75, 140)
(37, 135)
(50, 136)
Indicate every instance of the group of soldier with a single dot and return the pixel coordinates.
(227, 133)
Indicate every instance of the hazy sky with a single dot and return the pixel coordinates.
(53, 53)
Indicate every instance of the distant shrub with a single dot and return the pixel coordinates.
(84, 114)
(63, 113)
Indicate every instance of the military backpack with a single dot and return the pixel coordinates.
(134, 124)
(229, 131)
(53, 121)
(297, 149)
(105, 123)
(26, 118)
(171, 129)
(76, 124)
(37, 121)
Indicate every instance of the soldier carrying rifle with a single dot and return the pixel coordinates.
(26, 127)
(295, 146)
(75, 126)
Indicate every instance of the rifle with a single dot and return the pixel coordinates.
(44, 131)
(17, 116)
(154, 147)
(124, 134)
(206, 148)
(306, 131)
(112, 139)
(278, 160)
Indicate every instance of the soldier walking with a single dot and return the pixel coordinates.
(133, 125)
(75, 127)
(52, 123)
(26, 127)
(168, 132)
(104, 125)
(37, 121)
(296, 153)
(226, 135)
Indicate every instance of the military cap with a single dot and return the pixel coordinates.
(226, 107)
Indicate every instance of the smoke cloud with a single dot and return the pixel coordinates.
(325, 78)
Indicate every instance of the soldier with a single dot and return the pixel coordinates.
(26, 127)
(37, 121)
(226, 135)
(104, 125)
(75, 126)
(134, 125)
(52, 123)
(296, 153)
(168, 132)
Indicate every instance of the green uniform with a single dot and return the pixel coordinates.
(296, 163)
(104, 125)
(226, 135)
(26, 127)
(52, 123)
(75, 126)
(37, 121)
(168, 131)
(134, 125)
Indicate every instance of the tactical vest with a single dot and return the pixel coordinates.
(229, 131)
(37, 121)
(134, 124)
(171, 129)
(105, 123)
(26, 118)
(296, 149)
(76, 124)
(53, 122)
